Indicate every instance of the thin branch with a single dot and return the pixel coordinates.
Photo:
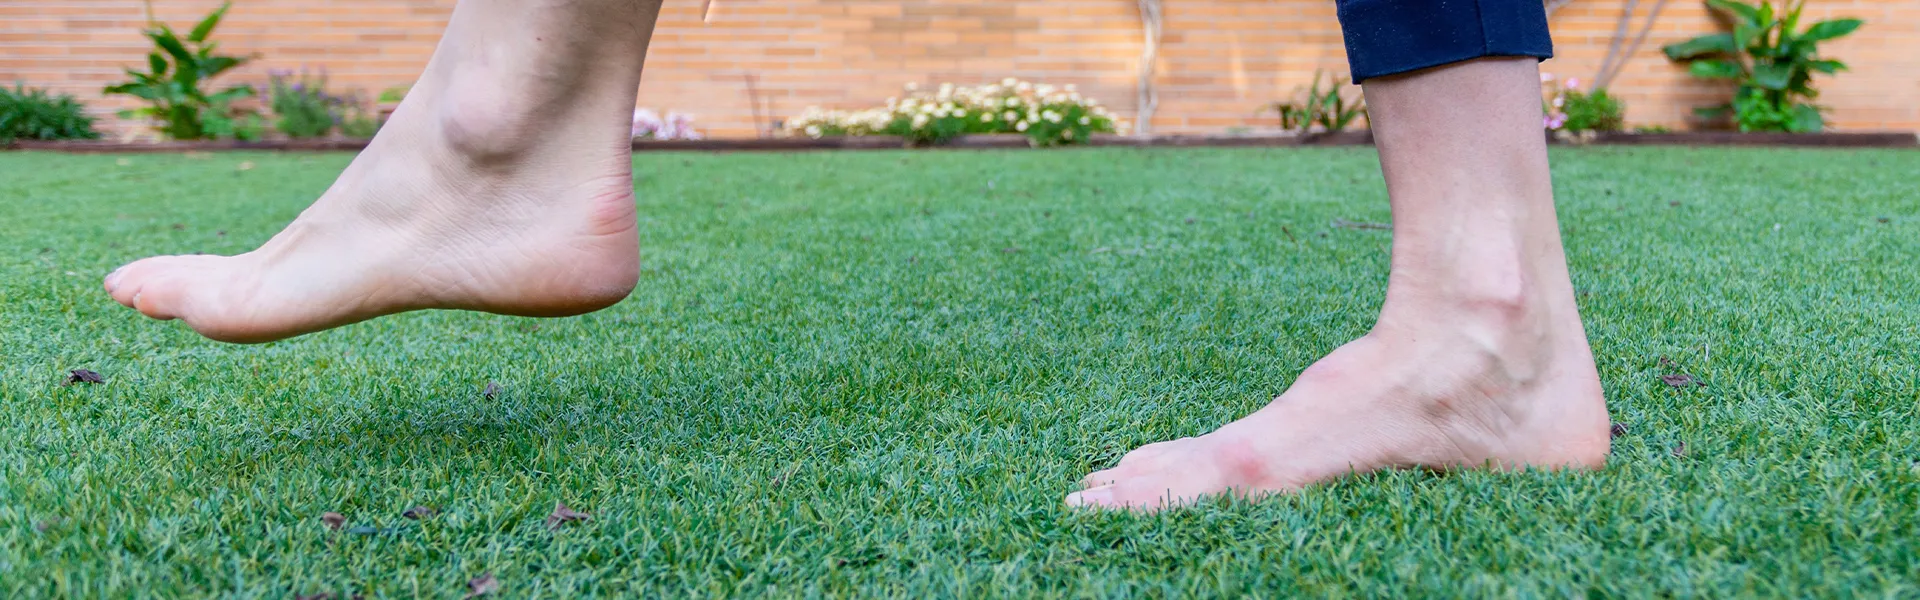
(1619, 35)
(1149, 99)
(1606, 77)
(753, 99)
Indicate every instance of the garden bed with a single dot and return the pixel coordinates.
(1345, 138)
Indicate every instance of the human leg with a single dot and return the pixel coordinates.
(503, 183)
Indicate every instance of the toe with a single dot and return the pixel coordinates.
(1151, 450)
(162, 297)
(125, 282)
(157, 287)
(1144, 495)
(1140, 458)
(1100, 478)
(1099, 497)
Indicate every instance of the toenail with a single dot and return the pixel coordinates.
(1100, 496)
(113, 279)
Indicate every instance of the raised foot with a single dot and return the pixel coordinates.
(412, 226)
(1393, 399)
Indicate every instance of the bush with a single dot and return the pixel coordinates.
(1572, 110)
(171, 86)
(1046, 114)
(1771, 62)
(359, 123)
(302, 108)
(34, 114)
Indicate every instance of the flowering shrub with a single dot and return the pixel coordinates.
(1572, 110)
(303, 108)
(1046, 114)
(648, 125)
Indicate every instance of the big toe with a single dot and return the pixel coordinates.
(160, 287)
(1140, 494)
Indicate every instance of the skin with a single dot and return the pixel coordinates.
(1478, 359)
(504, 184)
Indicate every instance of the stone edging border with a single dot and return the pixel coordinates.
(1350, 138)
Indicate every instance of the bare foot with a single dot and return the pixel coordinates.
(1477, 388)
(1479, 358)
(501, 185)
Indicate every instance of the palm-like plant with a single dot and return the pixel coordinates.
(172, 85)
(1772, 60)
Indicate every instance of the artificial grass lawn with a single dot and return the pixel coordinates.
(879, 372)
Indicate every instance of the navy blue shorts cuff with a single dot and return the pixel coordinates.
(1389, 37)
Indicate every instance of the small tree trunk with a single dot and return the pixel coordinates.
(1149, 55)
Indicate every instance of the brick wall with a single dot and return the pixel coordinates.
(1220, 59)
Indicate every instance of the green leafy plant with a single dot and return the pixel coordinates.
(301, 107)
(1771, 60)
(1596, 111)
(172, 86)
(357, 122)
(393, 95)
(1327, 110)
(1570, 109)
(34, 114)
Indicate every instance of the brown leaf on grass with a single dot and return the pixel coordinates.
(1680, 450)
(482, 585)
(1884, 220)
(492, 389)
(1681, 380)
(1616, 431)
(419, 512)
(83, 376)
(561, 514)
(41, 526)
(333, 520)
(1675, 203)
(319, 596)
(179, 226)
